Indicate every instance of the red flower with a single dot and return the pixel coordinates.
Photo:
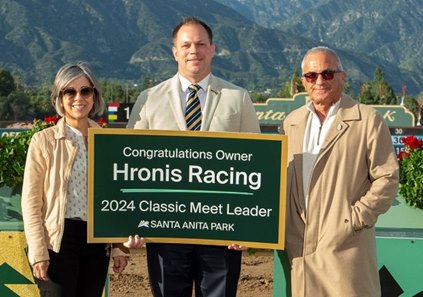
(412, 142)
(51, 120)
(102, 122)
(402, 155)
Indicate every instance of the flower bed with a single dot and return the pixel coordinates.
(411, 171)
(13, 150)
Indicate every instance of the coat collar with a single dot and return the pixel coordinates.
(348, 111)
(60, 127)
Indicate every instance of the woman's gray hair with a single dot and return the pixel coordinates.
(324, 49)
(66, 74)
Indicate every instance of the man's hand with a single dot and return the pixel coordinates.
(134, 242)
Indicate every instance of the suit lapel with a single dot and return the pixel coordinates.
(212, 100)
(174, 100)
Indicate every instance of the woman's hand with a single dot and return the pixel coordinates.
(134, 242)
(119, 263)
(237, 247)
(39, 270)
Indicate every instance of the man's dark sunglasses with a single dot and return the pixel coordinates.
(311, 77)
(84, 91)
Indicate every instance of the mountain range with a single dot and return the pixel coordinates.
(259, 43)
(390, 30)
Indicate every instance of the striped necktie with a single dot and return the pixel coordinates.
(193, 109)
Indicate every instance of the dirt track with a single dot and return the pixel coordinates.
(256, 276)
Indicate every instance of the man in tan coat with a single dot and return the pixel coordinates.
(342, 175)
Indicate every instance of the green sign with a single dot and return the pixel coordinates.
(10, 132)
(187, 187)
(274, 111)
(396, 115)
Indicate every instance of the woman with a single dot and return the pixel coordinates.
(54, 194)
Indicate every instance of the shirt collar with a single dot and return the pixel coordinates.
(332, 110)
(186, 83)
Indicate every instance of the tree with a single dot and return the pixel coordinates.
(258, 97)
(113, 91)
(146, 83)
(135, 89)
(381, 90)
(411, 104)
(19, 104)
(7, 83)
(15, 106)
(377, 91)
(292, 87)
(41, 102)
(366, 96)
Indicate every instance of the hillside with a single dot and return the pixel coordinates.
(131, 40)
(386, 30)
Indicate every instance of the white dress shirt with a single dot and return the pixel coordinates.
(314, 137)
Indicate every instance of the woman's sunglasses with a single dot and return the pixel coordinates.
(85, 92)
(311, 77)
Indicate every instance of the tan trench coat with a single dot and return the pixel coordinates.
(331, 245)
